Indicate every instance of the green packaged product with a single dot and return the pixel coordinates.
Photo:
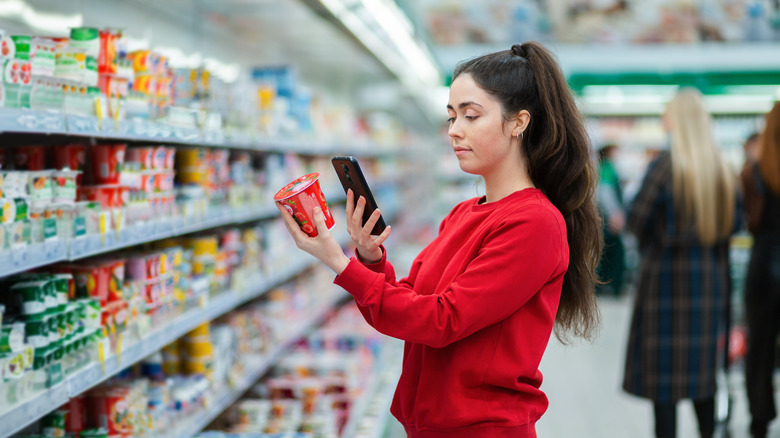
(54, 328)
(50, 295)
(62, 284)
(22, 209)
(33, 297)
(37, 333)
(12, 338)
(53, 424)
(22, 43)
(94, 433)
(86, 39)
(40, 358)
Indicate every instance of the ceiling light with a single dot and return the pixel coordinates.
(41, 21)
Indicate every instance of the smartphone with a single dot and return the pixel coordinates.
(351, 177)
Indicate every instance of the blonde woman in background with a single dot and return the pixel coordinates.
(761, 181)
(682, 216)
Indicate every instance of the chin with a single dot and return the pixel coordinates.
(468, 169)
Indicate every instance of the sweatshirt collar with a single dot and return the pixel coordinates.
(478, 204)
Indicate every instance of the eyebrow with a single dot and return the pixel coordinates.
(464, 105)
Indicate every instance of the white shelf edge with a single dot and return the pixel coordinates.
(21, 416)
(226, 398)
(46, 122)
(42, 254)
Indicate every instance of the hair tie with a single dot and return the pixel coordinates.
(518, 50)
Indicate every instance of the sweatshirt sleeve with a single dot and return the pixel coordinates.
(386, 269)
(516, 259)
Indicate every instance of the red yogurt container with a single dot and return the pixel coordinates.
(29, 157)
(141, 155)
(71, 156)
(107, 160)
(300, 197)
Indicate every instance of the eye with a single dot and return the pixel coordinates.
(450, 120)
(471, 117)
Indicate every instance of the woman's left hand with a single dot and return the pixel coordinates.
(324, 246)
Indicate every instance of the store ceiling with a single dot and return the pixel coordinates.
(664, 36)
(590, 37)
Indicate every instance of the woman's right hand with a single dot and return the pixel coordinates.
(368, 246)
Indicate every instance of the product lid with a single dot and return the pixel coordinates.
(296, 186)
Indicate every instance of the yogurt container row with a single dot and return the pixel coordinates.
(40, 187)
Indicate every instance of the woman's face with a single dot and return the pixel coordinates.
(477, 129)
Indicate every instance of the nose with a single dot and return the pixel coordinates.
(454, 130)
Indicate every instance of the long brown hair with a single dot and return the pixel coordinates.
(769, 150)
(558, 154)
(703, 185)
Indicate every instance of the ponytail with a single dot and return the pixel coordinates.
(557, 152)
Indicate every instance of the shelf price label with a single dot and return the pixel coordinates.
(99, 113)
(119, 341)
(116, 111)
(103, 223)
(104, 349)
(119, 223)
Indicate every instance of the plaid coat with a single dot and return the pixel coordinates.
(681, 299)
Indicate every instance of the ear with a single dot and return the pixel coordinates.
(521, 121)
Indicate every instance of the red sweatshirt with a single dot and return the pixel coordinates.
(476, 312)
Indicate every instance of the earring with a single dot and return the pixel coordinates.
(519, 137)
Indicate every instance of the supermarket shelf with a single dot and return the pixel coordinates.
(32, 410)
(41, 254)
(29, 121)
(226, 398)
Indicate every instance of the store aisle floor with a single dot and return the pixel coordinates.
(584, 384)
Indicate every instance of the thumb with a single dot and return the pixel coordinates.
(319, 221)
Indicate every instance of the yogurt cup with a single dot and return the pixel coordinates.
(63, 284)
(107, 160)
(300, 197)
(163, 181)
(37, 333)
(143, 155)
(70, 156)
(159, 157)
(108, 196)
(33, 296)
(29, 157)
(64, 185)
(40, 187)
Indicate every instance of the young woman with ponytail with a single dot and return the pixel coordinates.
(682, 217)
(482, 300)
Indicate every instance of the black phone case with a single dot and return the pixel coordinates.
(351, 177)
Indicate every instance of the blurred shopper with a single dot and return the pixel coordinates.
(610, 202)
(751, 148)
(761, 182)
(481, 301)
(682, 216)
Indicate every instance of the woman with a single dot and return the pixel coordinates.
(481, 300)
(682, 217)
(761, 181)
